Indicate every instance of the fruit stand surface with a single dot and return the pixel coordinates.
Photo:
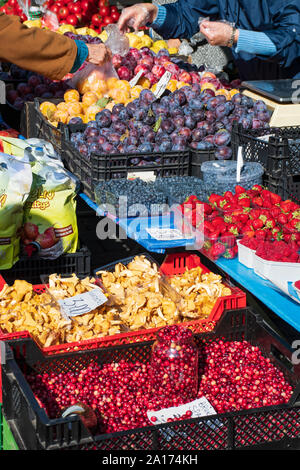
(264, 290)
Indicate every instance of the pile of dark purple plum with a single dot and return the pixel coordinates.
(184, 119)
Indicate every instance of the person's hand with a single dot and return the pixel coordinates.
(98, 54)
(217, 33)
(137, 16)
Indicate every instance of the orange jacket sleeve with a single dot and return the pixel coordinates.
(41, 51)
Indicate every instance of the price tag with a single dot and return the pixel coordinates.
(135, 79)
(82, 303)
(162, 84)
(143, 175)
(198, 408)
(239, 164)
(167, 234)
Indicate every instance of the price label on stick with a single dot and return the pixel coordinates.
(82, 303)
(162, 84)
(239, 164)
(167, 234)
(135, 79)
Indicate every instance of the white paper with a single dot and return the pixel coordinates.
(239, 164)
(167, 234)
(136, 78)
(82, 303)
(162, 84)
(143, 175)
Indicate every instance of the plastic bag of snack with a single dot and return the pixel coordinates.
(50, 222)
(15, 184)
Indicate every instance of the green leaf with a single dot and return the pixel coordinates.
(157, 124)
(103, 102)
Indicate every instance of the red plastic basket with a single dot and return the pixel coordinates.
(173, 264)
(179, 263)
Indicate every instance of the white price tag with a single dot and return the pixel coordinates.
(167, 234)
(239, 164)
(162, 84)
(143, 175)
(82, 303)
(198, 408)
(136, 78)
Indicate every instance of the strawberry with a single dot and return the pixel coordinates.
(257, 187)
(286, 206)
(282, 219)
(229, 196)
(214, 235)
(264, 218)
(267, 203)
(255, 213)
(270, 223)
(214, 199)
(228, 239)
(216, 250)
(265, 193)
(232, 228)
(275, 198)
(252, 193)
(231, 253)
(207, 209)
(260, 234)
(217, 221)
(258, 201)
(295, 223)
(244, 202)
(239, 189)
(257, 224)
(275, 212)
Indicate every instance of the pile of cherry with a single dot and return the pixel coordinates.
(257, 216)
(233, 376)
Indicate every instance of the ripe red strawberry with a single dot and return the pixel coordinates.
(214, 198)
(295, 223)
(244, 202)
(287, 206)
(216, 250)
(270, 223)
(255, 213)
(282, 219)
(258, 201)
(231, 253)
(257, 187)
(239, 189)
(214, 235)
(275, 198)
(260, 234)
(229, 196)
(228, 239)
(217, 221)
(257, 224)
(207, 209)
(275, 212)
(232, 228)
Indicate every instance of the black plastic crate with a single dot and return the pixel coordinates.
(35, 124)
(31, 268)
(288, 187)
(268, 427)
(99, 167)
(278, 153)
(197, 158)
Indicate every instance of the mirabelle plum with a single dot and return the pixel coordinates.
(61, 116)
(208, 75)
(74, 108)
(182, 84)
(62, 106)
(172, 85)
(71, 95)
(91, 112)
(144, 82)
(89, 98)
(111, 82)
(223, 92)
(99, 87)
(48, 109)
(233, 92)
(208, 86)
(84, 86)
(136, 91)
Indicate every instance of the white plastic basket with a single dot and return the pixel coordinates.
(276, 270)
(245, 255)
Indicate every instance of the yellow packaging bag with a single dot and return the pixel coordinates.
(50, 222)
(15, 184)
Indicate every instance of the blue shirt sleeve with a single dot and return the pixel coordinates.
(255, 42)
(82, 55)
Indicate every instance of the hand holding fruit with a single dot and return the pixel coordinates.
(99, 54)
(137, 16)
(217, 33)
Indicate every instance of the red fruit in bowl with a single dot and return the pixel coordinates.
(143, 67)
(158, 71)
(117, 61)
(124, 73)
(31, 230)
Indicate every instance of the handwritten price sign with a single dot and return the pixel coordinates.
(82, 303)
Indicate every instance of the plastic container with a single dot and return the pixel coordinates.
(275, 148)
(276, 270)
(174, 364)
(222, 175)
(30, 269)
(245, 255)
(270, 427)
(99, 167)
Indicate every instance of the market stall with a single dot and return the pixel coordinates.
(177, 332)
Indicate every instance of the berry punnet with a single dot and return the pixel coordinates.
(174, 364)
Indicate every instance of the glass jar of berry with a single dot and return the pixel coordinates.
(174, 366)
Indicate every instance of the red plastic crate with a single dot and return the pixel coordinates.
(179, 263)
(173, 264)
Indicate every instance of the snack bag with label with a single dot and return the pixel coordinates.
(15, 184)
(50, 222)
